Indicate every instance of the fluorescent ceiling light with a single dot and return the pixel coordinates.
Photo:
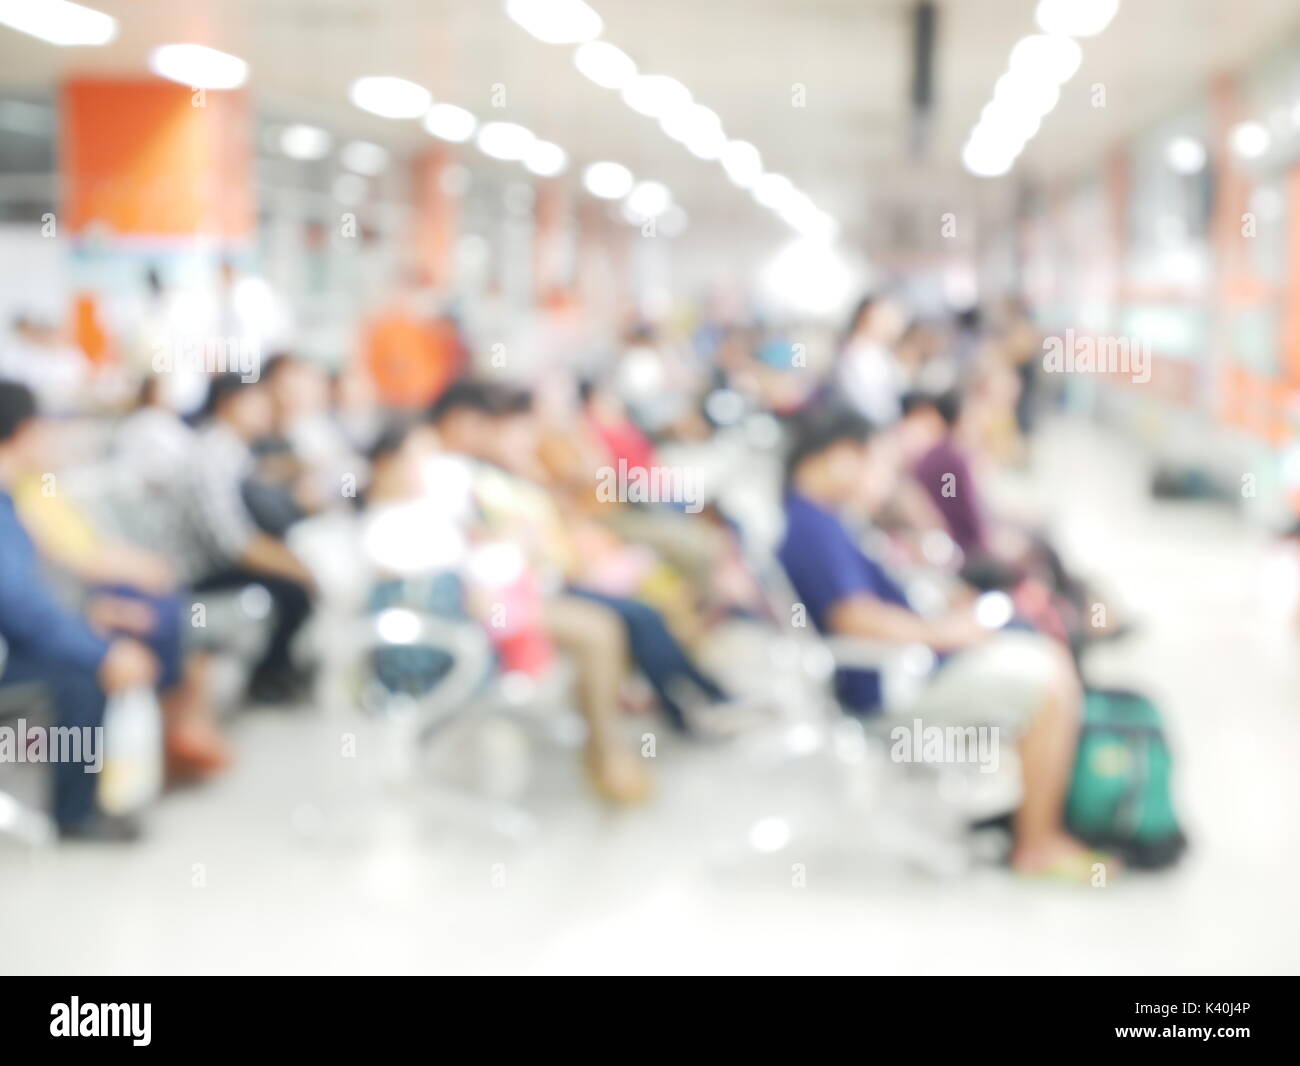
(609, 181)
(1185, 155)
(1002, 139)
(605, 64)
(364, 157)
(545, 159)
(631, 217)
(504, 140)
(1039, 65)
(1250, 139)
(1003, 124)
(655, 94)
(985, 160)
(795, 204)
(349, 189)
(798, 211)
(664, 98)
(772, 190)
(301, 141)
(58, 22)
(449, 122)
(649, 198)
(1014, 92)
(673, 222)
(1075, 18)
(390, 97)
(198, 66)
(556, 21)
(741, 161)
(707, 144)
(686, 124)
(817, 226)
(1045, 58)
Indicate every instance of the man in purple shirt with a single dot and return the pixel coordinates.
(942, 470)
(51, 648)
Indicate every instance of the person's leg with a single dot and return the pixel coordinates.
(75, 701)
(1027, 400)
(195, 746)
(1047, 750)
(1025, 685)
(291, 604)
(592, 636)
(163, 634)
(657, 654)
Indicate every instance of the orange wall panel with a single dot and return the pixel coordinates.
(437, 218)
(141, 158)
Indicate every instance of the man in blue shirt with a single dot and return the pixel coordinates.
(826, 567)
(51, 647)
(1020, 683)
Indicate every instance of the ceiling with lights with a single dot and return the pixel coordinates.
(777, 118)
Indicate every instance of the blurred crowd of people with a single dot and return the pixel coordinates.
(565, 510)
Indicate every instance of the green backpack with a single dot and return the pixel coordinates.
(1120, 798)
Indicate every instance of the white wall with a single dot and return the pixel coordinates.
(33, 274)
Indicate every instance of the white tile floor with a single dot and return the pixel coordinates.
(304, 861)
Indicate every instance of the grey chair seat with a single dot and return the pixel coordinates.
(22, 785)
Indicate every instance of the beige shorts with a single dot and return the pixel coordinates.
(1002, 682)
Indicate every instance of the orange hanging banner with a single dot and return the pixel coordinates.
(149, 158)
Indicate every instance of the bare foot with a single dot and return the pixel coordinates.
(619, 777)
(196, 751)
(1062, 858)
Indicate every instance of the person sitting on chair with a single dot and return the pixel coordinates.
(1022, 682)
(51, 646)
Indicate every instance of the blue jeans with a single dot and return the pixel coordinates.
(164, 639)
(75, 700)
(657, 653)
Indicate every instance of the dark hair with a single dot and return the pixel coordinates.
(487, 398)
(947, 405)
(276, 362)
(17, 407)
(149, 392)
(221, 389)
(508, 401)
(863, 306)
(819, 430)
(390, 441)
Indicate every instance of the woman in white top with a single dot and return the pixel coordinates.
(867, 374)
